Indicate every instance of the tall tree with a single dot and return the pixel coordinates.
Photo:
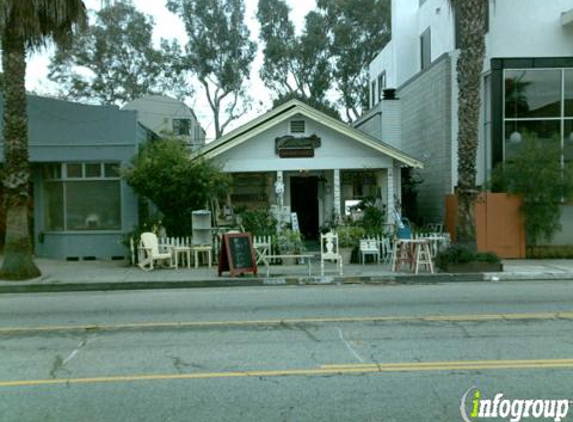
(115, 61)
(219, 53)
(294, 66)
(472, 18)
(24, 26)
(358, 31)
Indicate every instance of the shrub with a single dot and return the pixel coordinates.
(457, 254)
(290, 242)
(536, 174)
(349, 236)
(259, 222)
(163, 173)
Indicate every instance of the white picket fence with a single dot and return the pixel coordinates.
(264, 244)
(164, 244)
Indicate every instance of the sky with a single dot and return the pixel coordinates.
(170, 26)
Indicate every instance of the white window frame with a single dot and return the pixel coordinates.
(64, 178)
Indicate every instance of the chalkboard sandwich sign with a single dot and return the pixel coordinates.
(237, 254)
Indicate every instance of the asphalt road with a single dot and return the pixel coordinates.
(327, 353)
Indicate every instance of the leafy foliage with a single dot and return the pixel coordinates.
(259, 222)
(358, 30)
(219, 52)
(411, 180)
(294, 66)
(326, 107)
(163, 173)
(115, 60)
(535, 173)
(349, 235)
(289, 242)
(458, 254)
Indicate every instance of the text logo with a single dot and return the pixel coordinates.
(474, 406)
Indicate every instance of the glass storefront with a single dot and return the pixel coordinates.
(82, 196)
(538, 103)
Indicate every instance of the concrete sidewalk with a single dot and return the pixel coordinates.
(117, 275)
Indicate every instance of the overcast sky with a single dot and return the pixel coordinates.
(168, 25)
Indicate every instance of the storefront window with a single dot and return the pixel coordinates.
(88, 197)
(538, 102)
(532, 93)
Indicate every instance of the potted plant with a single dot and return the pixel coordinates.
(289, 243)
(458, 259)
(348, 239)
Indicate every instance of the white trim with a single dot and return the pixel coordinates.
(289, 110)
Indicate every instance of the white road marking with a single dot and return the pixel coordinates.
(347, 344)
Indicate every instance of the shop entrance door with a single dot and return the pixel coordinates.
(304, 201)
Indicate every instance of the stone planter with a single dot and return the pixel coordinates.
(473, 267)
(346, 254)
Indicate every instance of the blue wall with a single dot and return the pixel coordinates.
(62, 131)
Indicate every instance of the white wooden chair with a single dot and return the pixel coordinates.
(369, 247)
(149, 247)
(329, 251)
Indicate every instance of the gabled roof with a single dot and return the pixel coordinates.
(288, 110)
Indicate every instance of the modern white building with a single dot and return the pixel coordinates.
(167, 116)
(529, 44)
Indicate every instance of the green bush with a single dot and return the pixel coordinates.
(550, 252)
(457, 254)
(349, 236)
(290, 242)
(536, 174)
(164, 173)
(259, 222)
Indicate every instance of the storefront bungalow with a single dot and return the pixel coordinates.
(82, 208)
(298, 159)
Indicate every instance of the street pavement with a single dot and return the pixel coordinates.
(289, 353)
(118, 275)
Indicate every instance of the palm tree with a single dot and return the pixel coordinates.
(24, 26)
(472, 20)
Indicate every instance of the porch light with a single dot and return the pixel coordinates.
(515, 137)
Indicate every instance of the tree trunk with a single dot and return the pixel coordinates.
(18, 262)
(469, 69)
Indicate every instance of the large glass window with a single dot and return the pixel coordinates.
(532, 93)
(82, 196)
(538, 102)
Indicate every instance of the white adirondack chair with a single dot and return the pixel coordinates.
(150, 248)
(329, 251)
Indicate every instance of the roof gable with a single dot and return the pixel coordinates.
(289, 110)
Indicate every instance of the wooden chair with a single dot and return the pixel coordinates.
(329, 251)
(149, 247)
(369, 247)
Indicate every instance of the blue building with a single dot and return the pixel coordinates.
(82, 208)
